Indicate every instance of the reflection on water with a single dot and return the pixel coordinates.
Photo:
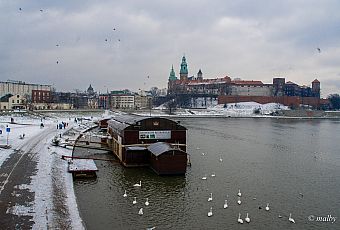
(271, 160)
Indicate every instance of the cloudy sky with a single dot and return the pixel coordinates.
(118, 44)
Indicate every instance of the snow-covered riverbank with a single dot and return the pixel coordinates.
(53, 203)
(243, 109)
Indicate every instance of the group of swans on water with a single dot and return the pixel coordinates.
(140, 212)
(247, 219)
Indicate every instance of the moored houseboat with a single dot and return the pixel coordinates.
(159, 143)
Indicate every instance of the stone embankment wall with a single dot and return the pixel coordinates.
(310, 113)
(292, 101)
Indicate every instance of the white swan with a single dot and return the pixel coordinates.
(140, 212)
(134, 200)
(147, 202)
(210, 198)
(239, 219)
(239, 200)
(205, 177)
(291, 219)
(247, 219)
(213, 174)
(225, 204)
(138, 185)
(267, 207)
(239, 193)
(221, 159)
(125, 195)
(210, 213)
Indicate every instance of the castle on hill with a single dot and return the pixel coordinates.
(237, 90)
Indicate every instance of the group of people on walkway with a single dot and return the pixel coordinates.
(62, 125)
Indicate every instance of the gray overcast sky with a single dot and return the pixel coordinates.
(253, 40)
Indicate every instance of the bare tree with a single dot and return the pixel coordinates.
(171, 105)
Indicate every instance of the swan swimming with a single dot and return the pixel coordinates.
(125, 195)
(138, 185)
(210, 198)
(213, 174)
(225, 204)
(210, 213)
(247, 219)
(205, 177)
(291, 219)
(239, 193)
(239, 219)
(239, 200)
(140, 212)
(134, 200)
(147, 202)
(267, 207)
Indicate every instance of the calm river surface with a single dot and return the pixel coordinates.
(294, 165)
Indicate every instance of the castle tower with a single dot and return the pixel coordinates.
(172, 81)
(183, 73)
(172, 76)
(200, 75)
(316, 88)
(278, 86)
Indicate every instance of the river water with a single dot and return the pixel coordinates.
(294, 165)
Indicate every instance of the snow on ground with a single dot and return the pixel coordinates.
(242, 109)
(246, 109)
(52, 184)
(27, 126)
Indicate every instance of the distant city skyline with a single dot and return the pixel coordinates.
(133, 45)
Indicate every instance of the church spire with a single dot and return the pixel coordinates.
(183, 73)
(172, 76)
(200, 75)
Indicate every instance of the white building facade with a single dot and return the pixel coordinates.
(21, 88)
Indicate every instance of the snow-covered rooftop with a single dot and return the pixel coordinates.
(77, 165)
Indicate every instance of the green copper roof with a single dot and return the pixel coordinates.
(172, 76)
(184, 66)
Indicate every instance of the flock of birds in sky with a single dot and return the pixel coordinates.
(57, 45)
(114, 29)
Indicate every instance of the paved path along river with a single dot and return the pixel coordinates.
(17, 199)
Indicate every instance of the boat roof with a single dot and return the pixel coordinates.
(82, 165)
(135, 148)
(120, 122)
(159, 148)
